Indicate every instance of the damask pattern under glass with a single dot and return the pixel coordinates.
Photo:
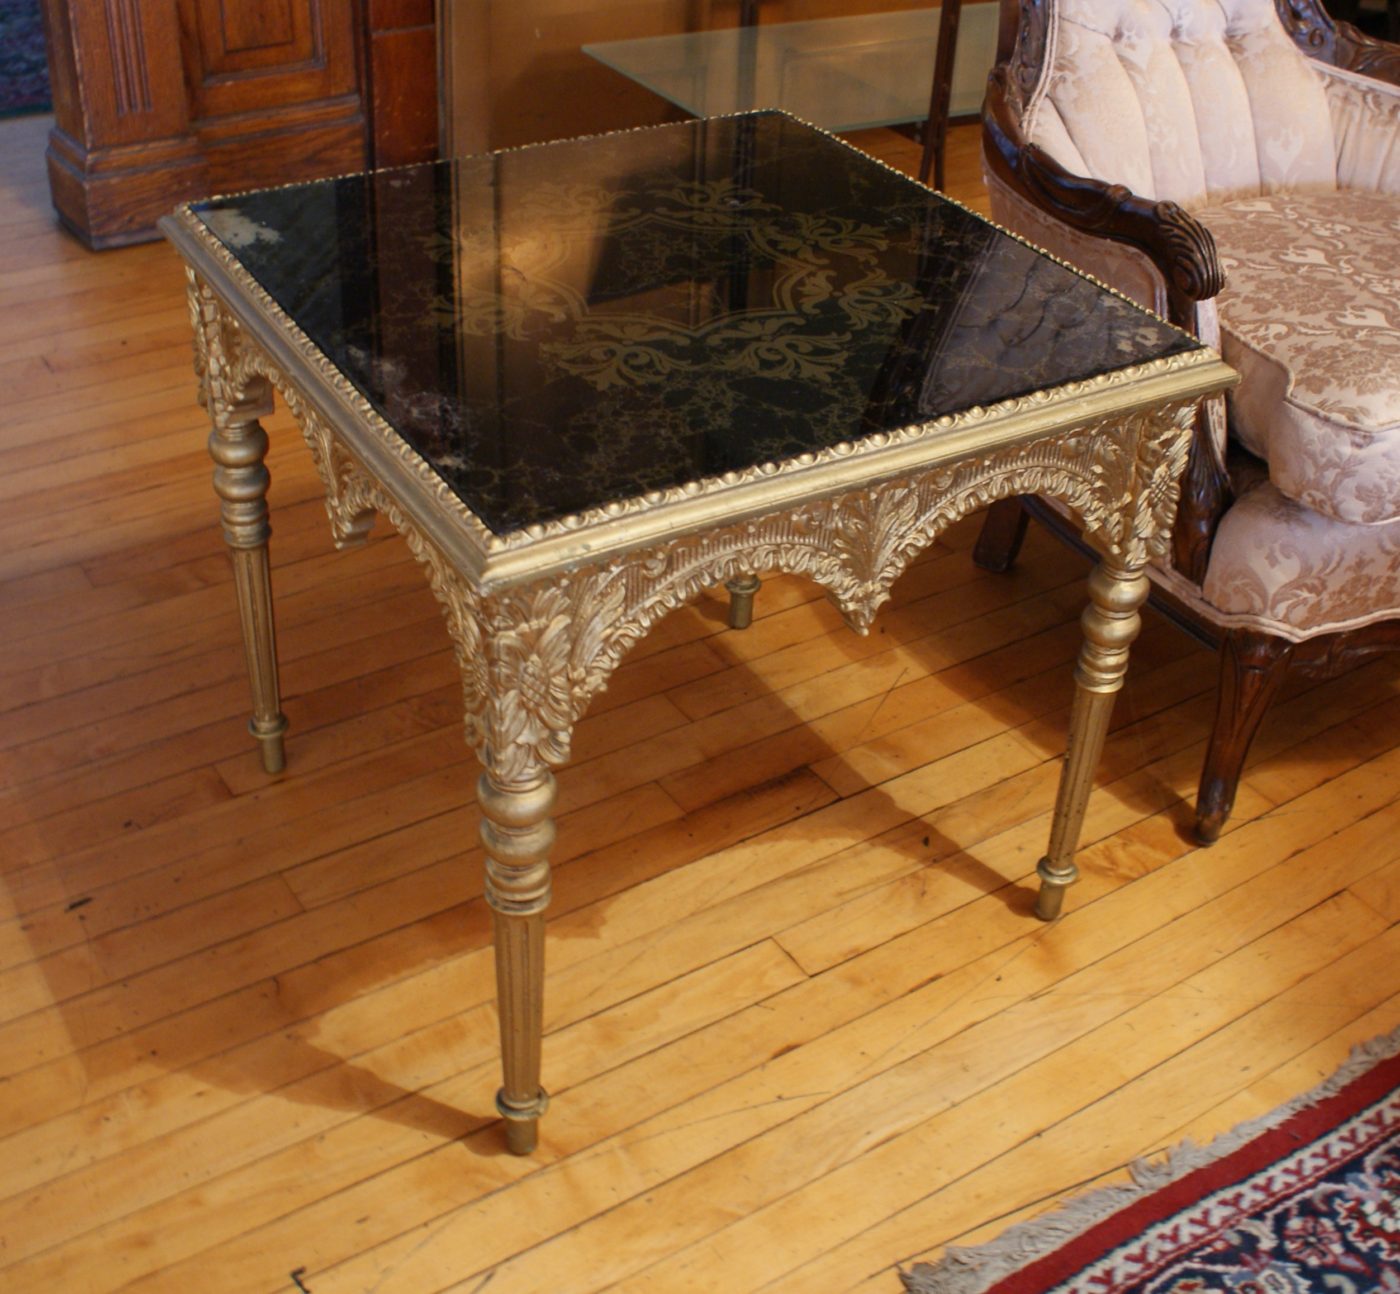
(563, 326)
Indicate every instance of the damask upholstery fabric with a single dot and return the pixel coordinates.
(1295, 170)
(1310, 316)
(1210, 104)
(1366, 125)
(1283, 568)
(1182, 99)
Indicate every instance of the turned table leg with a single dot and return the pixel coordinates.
(1110, 623)
(238, 446)
(741, 594)
(517, 830)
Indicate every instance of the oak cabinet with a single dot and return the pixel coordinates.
(156, 101)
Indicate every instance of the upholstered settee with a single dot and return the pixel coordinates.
(1234, 165)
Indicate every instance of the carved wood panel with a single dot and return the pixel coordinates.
(139, 93)
(256, 53)
(157, 101)
(259, 24)
(131, 75)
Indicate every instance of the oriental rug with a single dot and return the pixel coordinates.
(1303, 1201)
(24, 68)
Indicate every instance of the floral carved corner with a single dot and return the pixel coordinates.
(533, 656)
(223, 364)
(351, 503)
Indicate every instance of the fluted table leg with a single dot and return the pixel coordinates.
(517, 830)
(1110, 623)
(238, 446)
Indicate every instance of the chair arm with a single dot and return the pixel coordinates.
(1180, 247)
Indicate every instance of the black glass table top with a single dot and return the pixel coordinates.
(571, 324)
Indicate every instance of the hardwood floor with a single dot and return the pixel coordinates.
(801, 1028)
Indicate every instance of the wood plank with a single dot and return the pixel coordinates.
(1136, 1116)
(838, 999)
(677, 1008)
(903, 904)
(122, 1114)
(759, 1246)
(796, 1079)
(252, 1026)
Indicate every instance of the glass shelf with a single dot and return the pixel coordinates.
(839, 73)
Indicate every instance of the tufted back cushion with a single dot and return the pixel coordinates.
(1194, 100)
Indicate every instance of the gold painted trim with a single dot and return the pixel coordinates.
(540, 619)
(532, 655)
(502, 561)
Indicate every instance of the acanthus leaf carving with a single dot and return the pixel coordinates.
(348, 504)
(532, 656)
(871, 530)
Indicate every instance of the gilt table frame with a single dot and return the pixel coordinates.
(539, 618)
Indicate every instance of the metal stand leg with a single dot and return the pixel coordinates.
(936, 127)
(517, 831)
(1110, 622)
(741, 594)
(238, 446)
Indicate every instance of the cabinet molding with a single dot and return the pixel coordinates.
(159, 101)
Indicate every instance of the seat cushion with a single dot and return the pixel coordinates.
(1278, 566)
(1310, 316)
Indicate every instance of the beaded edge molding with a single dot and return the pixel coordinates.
(1049, 402)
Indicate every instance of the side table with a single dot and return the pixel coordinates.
(587, 380)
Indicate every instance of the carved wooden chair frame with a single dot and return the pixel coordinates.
(1253, 664)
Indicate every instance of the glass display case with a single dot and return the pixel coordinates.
(524, 71)
(846, 73)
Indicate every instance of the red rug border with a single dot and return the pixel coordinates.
(1044, 1253)
(1299, 1129)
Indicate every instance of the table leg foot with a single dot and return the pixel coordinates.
(517, 830)
(270, 737)
(741, 594)
(1053, 884)
(522, 1125)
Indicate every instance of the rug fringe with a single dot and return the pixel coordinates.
(974, 1270)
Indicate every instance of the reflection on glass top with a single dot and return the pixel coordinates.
(838, 73)
(567, 325)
